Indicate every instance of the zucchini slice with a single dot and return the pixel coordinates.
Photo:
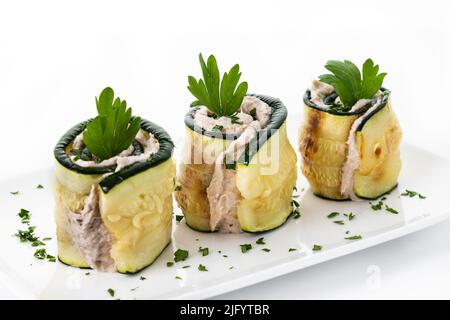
(263, 178)
(324, 148)
(132, 223)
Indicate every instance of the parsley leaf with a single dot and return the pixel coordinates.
(317, 247)
(113, 130)
(14, 193)
(223, 98)
(346, 79)
(179, 218)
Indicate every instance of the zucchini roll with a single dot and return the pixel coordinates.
(350, 138)
(238, 171)
(114, 179)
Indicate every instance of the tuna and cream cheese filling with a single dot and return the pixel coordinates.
(222, 192)
(319, 91)
(125, 158)
(88, 232)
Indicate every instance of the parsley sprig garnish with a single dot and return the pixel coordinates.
(113, 130)
(221, 97)
(350, 86)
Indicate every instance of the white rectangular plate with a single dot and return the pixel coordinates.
(228, 268)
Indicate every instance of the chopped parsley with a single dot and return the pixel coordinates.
(27, 235)
(351, 216)
(180, 255)
(260, 241)
(235, 119)
(39, 186)
(87, 273)
(202, 268)
(377, 206)
(295, 209)
(46, 239)
(246, 247)
(178, 278)
(391, 210)
(218, 128)
(179, 218)
(24, 215)
(14, 193)
(339, 222)
(142, 278)
(185, 267)
(41, 254)
(412, 194)
(178, 188)
(332, 215)
(111, 292)
(253, 112)
(317, 247)
(169, 264)
(357, 237)
(292, 249)
(265, 249)
(203, 251)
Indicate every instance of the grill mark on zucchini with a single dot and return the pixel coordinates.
(164, 153)
(307, 143)
(278, 117)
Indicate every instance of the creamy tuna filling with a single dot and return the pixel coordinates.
(351, 163)
(88, 232)
(90, 235)
(319, 91)
(125, 158)
(223, 195)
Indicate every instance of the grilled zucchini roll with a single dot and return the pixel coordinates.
(239, 169)
(114, 179)
(350, 138)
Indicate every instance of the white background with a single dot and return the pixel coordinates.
(56, 56)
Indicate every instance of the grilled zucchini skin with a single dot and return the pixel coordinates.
(261, 210)
(322, 144)
(135, 203)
